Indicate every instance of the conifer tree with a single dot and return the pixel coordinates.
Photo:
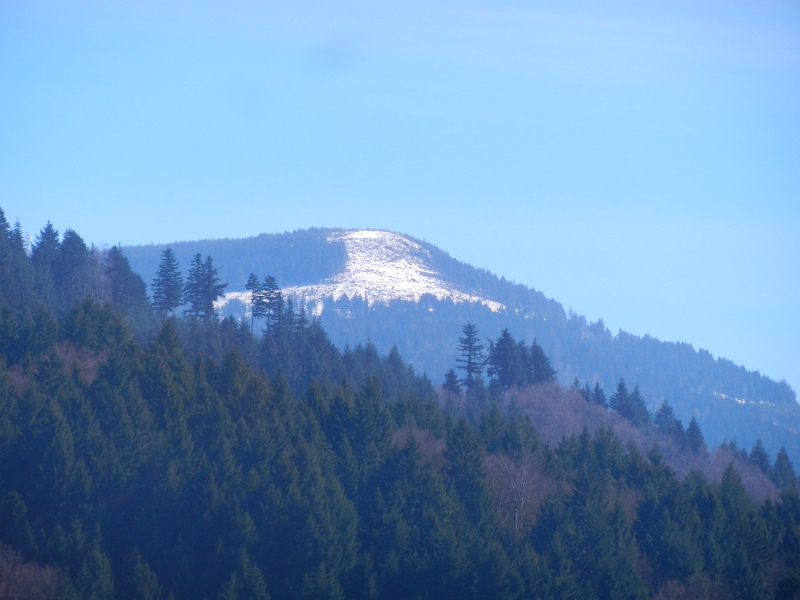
(668, 424)
(451, 383)
(463, 456)
(71, 270)
(694, 437)
(783, 474)
(639, 415)
(583, 389)
(45, 251)
(203, 288)
(18, 275)
(258, 300)
(127, 291)
(599, 396)
(543, 372)
(247, 581)
(630, 405)
(273, 304)
(760, 458)
(142, 583)
(472, 358)
(619, 399)
(167, 284)
(7, 283)
(193, 289)
(214, 286)
(44, 254)
(504, 362)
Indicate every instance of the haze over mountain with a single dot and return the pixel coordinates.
(393, 289)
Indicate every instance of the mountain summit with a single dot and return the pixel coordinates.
(393, 290)
(381, 266)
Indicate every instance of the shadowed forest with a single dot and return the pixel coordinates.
(151, 450)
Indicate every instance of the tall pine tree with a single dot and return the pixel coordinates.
(168, 284)
(203, 288)
(472, 358)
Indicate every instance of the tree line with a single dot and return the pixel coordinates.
(203, 461)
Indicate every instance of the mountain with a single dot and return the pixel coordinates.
(393, 289)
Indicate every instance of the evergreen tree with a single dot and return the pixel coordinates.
(463, 457)
(640, 415)
(620, 398)
(472, 358)
(44, 255)
(451, 383)
(543, 372)
(258, 299)
(694, 437)
(203, 288)
(127, 291)
(246, 582)
(167, 284)
(44, 252)
(214, 286)
(7, 279)
(760, 458)
(194, 290)
(666, 422)
(71, 270)
(586, 392)
(630, 405)
(505, 362)
(19, 290)
(272, 299)
(599, 396)
(783, 474)
(143, 582)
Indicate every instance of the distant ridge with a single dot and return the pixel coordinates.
(392, 289)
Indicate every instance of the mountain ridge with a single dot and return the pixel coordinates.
(726, 398)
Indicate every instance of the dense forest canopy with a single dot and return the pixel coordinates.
(160, 452)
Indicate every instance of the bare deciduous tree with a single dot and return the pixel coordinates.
(26, 581)
(519, 488)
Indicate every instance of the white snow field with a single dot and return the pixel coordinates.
(381, 266)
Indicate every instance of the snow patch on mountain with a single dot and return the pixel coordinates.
(381, 266)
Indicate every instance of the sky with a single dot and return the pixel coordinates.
(638, 162)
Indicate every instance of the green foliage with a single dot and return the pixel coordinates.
(451, 383)
(667, 424)
(760, 458)
(167, 284)
(630, 405)
(203, 287)
(513, 364)
(694, 437)
(472, 360)
(207, 463)
(127, 292)
(783, 474)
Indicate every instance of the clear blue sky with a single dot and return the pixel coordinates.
(638, 162)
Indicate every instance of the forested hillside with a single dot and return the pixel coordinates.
(151, 452)
(730, 401)
(295, 258)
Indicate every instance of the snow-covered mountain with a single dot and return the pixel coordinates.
(394, 290)
(381, 266)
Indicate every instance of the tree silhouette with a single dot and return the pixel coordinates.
(167, 284)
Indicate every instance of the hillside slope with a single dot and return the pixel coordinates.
(396, 290)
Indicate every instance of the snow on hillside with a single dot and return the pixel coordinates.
(381, 266)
